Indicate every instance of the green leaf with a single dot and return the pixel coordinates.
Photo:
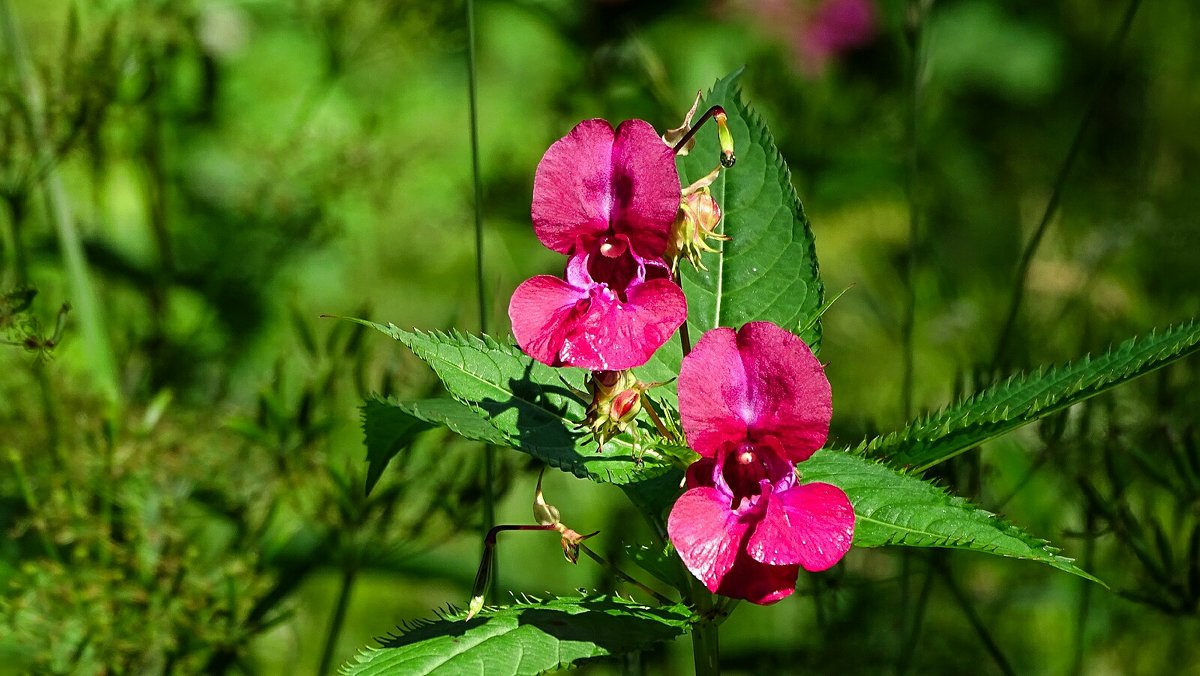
(894, 508)
(661, 562)
(1026, 398)
(387, 430)
(768, 270)
(530, 406)
(390, 426)
(527, 638)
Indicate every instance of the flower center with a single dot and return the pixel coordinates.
(613, 248)
(744, 469)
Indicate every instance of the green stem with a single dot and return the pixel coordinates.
(16, 202)
(917, 10)
(1083, 610)
(50, 414)
(623, 575)
(915, 622)
(706, 644)
(95, 339)
(685, 339)
(476, 179)
(1060, 181)
(31, 503)
(489, 458)
(913, 41)
(337, 619)
(972, 616)
(706, 648)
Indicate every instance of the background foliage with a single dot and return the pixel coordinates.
(182, 490)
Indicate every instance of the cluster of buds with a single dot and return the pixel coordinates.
(616, 403)
(699, 214)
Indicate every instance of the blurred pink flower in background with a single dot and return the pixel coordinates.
(817, 31)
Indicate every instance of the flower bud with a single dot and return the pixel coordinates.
(616, 403)
(699, 216)
(544, 513)
(726, 139)
(570, 543)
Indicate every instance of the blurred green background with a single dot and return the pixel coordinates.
(182, 475)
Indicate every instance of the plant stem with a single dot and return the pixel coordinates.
(95, 338)
(31, 503)
(476, 178)
(706, 645)
(914, 34)
(1060, 181)
(337, 619)
(623, 575)
(489, 452)
(1085, 595)
(683, 141)
(914, 622)
(50, 415)
(16, 202)
(685, 338)
(973, 617)
(706, 649)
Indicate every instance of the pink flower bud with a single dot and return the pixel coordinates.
(699, 216)
(616, 403)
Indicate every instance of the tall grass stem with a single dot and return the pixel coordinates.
(58, 210)
(489, 459)
(1060, 181)
(345, 588)
(914, 39)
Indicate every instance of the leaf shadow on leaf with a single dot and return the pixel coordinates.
(606, 624)
(542, 425)
(613, 626)
(530, 636)
(423, 630)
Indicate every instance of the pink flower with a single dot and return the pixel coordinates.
(753, 403)
(610, 314)
(595, 187)
(608, 199)
(816, 30)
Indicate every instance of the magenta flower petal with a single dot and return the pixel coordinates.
(707, 534)
(585, 322)
(761, 382)
(758, 582)
(611, 336)
(572, 194)
(810, 524)
(544, 310)
(712, 393)
(645, 187)
(595, 183)
(789, 393)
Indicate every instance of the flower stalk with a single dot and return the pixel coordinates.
(717, 114)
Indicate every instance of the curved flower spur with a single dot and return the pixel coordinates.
(548, 518)
(753, 404)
